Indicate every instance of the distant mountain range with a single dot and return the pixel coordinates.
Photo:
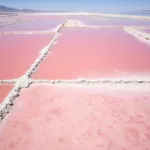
(10, 9)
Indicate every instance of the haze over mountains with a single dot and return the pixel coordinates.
(9, 9)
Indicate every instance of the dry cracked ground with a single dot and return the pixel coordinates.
(74, 82)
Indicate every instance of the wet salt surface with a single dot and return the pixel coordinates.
(72, 117)
(95, 53)
(78, 17)
(18, 52)
(145, 30)
(117, 22)
(37, 25)
(4, 90)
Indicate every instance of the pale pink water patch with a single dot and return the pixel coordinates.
(19, 52)
(14, 18)
(117, 22)
(4, 91)
(95, 53)
(7, 20)
(77, 118)
(38, 25)
(46, 17)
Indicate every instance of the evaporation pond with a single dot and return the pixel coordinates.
(95, 53)
(19, 52)
(76, 117)
(117, 22)
(4, 91)
(36, 25)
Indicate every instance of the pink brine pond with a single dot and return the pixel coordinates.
(19, 52)
(36, 25)
(4, 91)
(95, 53)
(117, 22)
(78, 118)
(44, 17)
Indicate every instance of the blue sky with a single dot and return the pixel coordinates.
(80, 5)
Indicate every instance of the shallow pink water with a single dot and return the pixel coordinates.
(14, 18)
(4, 90)
(117, 22)
(45, 17)
(55, 17)
(11, 20)
(95, 53)
(32, 26)
(77, 118)
(18, 52)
